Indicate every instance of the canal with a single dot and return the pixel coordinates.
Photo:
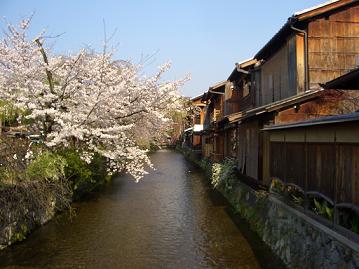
(171, 219)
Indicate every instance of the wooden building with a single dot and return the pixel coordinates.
(320, 155)
(213, 141)
(314, 46)
(292, 112)
(283, 84)
(198, 120)
(192, 137)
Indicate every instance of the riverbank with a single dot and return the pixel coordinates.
(171, 219)
(300, 241)
(29, 204)
(22, 216)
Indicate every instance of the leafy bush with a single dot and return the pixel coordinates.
(47, 166)
(216, 179)
(223, 174)
(84, 177)
(322, 208)
(77, 171)
(98, 169)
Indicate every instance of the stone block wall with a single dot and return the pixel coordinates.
(299, 240)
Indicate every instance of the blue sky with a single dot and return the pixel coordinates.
(204, 38)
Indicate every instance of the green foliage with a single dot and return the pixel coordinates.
(8, 175)
(77, 170)
(98, 169)
(84, 177)
(10, 114)
(298, 200)
(322, 208)
(47, 166)
(216, 179)
(223, 174)
(205, 164)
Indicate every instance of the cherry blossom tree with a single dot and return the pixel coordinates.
(88, 101)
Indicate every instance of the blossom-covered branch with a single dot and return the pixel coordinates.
(88, 100)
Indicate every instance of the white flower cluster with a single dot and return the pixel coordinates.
(88, 100)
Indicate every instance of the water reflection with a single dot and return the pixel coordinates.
(169, 220)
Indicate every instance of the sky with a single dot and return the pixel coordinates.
(204, 38)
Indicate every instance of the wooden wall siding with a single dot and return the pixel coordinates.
(320, 170)
(328, 104)
(347, 173)
(264, 157)
(236, 100)
(256, 87)
(300, 63)
(228, 95)
(248, 148)
(218, 152)
(276, 82)
(277, 164)
(328, 162)
(231, 143)
(208, 110)
(287, 161)
(218, 108)
(340, 133)
(231, 98)
(207, 146)
(245, 103)
(333, 45)
(292, 67)
(232, 101)
(306, 111)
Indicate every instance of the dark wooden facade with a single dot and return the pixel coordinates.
(283, 84)
(333, 43)
(321, 158)
(331, 50)
(270, 115)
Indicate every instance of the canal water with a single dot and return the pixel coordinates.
(171, 219)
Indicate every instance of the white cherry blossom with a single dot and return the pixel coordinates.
(87, 100)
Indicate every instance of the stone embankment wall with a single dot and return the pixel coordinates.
(299, 240)
(20, 213)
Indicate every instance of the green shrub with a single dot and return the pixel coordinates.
(323, 209)
(223, 174)
(216, 179)
(47, 166)
(77, 171)
(84, 177)
(98, 169)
